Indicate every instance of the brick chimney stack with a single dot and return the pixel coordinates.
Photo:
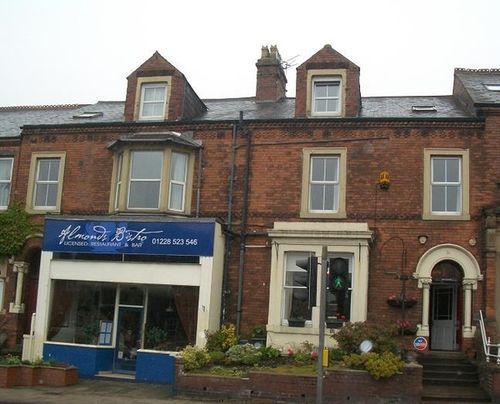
(271, 80)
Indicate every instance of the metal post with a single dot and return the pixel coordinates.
(322, 315)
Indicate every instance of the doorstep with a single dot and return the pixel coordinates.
(109, 375)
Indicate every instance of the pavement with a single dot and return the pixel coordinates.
(95, 392)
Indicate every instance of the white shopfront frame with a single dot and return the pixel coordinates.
(207, 275)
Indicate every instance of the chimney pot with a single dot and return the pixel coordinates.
(271, 79)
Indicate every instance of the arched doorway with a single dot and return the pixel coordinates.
(445, 306)
(452, 256)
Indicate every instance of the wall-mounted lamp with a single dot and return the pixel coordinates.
(384, 180)
(422, 239)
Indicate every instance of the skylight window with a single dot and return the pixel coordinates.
(492, 86)
(424, 108)
(88, 115)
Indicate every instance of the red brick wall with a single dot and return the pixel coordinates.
(275, 189)
(338, 386)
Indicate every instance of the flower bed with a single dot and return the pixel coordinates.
(340, 384)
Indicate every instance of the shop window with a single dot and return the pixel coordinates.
(45, 182)
(324, 182)
(79, 310)
(6, 164)
(299, 293)
(172, 313)
(153, 180)
(446, 184)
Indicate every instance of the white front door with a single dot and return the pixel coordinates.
(444, 314)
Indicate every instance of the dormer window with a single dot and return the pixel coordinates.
(153, 101)
(326, 96)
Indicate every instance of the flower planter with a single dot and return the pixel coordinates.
(296, 323)
(399, 303)
(334, 324)
(58, 376)
(29, 376)
(8, 375)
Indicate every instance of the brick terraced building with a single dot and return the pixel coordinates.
(166, 214)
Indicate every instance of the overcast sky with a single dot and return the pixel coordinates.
(76, 51)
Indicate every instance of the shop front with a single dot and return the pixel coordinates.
(122, 296)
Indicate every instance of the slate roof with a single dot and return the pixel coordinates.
(12, 118)
(474, 82)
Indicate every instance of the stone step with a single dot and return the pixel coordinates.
(458, 375)
(450, 381)
(453, 394)
(451, 366)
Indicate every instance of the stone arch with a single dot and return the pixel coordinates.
(448, 252)
(471, 274)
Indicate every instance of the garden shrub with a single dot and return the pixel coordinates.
(336, 355)
(217, 357)
(268, 353)
(10, 360)
(379, 365)
(384, 365)
(351, 335)
(195, 358)
(223, 339)
(244, 354)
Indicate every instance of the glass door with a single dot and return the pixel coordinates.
(128, 338)
(130, 327)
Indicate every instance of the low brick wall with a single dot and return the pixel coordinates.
(339, 386)
(489, 378)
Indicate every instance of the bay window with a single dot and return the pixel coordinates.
(152, 179)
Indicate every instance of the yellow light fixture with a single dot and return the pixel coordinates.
(384, 180)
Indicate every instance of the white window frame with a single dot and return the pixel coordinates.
(326, 79)
(284, 287)
(183, 183)
(38, 182)
(335, 183)
(118, 180)
(142, 101)
(2, 293)
(9, 181)
(447, 183)
(130, 179)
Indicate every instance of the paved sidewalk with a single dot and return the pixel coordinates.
(93, 392)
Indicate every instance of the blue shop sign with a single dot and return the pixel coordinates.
(129, 237)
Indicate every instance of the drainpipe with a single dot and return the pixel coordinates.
(229, 233)
(243, 225)
(198, 185)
